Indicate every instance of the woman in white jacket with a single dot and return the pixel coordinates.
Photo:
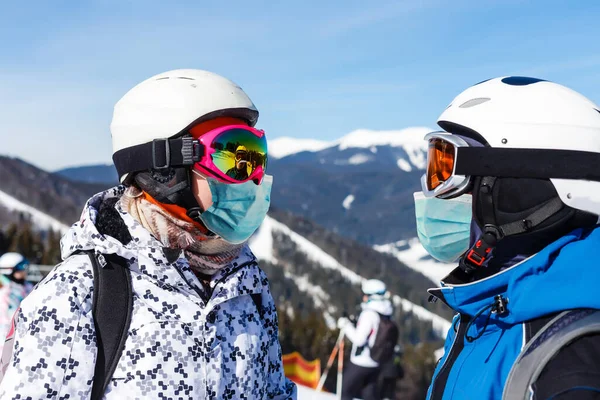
(203, 322)
(360, 376)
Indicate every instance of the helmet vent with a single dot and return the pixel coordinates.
(185, 77)
(474, 102)
(520, 80)
(163, 78)
(597, 110)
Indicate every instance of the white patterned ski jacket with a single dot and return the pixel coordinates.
(179, 346)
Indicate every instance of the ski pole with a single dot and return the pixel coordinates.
(330, 361)
(340, 370)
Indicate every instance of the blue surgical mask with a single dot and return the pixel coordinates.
(444, 226)
(238, 209)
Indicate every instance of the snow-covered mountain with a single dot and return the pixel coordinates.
(359, 186)
(409, 139)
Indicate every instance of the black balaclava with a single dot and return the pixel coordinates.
(513, 200)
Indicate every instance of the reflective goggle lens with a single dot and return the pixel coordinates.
(440, 162)
(239, 152)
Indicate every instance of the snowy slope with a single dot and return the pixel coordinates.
(262, 246)
(413, 255)
(284, 146)
(305, 393)
(38, 218)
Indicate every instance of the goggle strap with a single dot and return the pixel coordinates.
(486, 198)
(527, 163)
(158, 154)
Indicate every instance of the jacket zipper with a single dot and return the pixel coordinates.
(439, 384)
(194, 288)
(205, 299)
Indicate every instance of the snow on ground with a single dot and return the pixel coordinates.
(439, 324)
(261, 242)
(320, 298)
(413, 254)
(314, 253)
(358, 159)
(305, 393)
(404, 165)
(347, 203)
(38, 218)
(262, 247)
(284, 146)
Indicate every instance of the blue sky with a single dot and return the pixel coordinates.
(315, 69)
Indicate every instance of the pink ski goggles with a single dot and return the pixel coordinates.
(233, 154)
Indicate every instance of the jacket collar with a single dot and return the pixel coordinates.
(562, 276)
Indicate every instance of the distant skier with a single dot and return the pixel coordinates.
(373, 340)
(14, 287)
(512, 192)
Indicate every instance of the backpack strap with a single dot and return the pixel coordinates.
(257, 299)
(111, 308)
(547, 342)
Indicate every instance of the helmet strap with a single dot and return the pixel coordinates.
(482, 249)
(171, 187)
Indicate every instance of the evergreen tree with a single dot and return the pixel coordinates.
(4, 242)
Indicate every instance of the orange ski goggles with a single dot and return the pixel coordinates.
(440, 179)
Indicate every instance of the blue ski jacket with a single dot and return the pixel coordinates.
(482, 346)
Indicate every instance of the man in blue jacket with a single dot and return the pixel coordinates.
(512, 191)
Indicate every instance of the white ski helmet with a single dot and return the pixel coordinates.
(10, 261)
(529, 113)
(166, 104)
(372, 287)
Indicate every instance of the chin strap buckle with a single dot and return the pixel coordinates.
(477, 255)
